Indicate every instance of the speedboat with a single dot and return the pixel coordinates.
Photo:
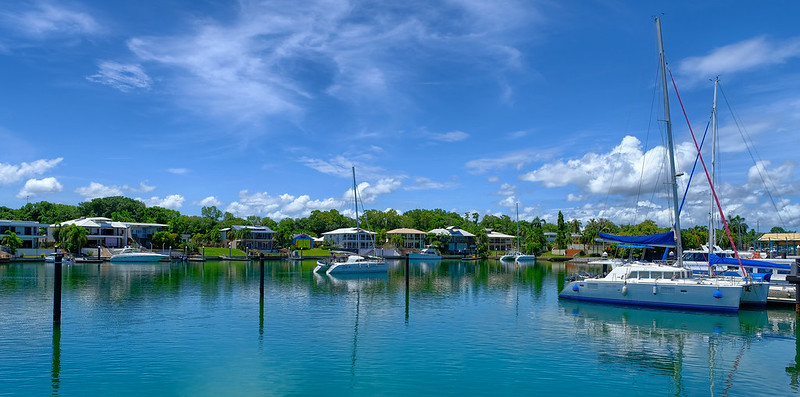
(65, 259)
(354, 264)
(651, 284)
(135, 255)
(425, 254)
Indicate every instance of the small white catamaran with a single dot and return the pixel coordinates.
(352, 263)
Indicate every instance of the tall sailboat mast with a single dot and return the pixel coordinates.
(711, 235)
(670, 146)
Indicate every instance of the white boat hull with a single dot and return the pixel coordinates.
(683, 295)
(356, 268)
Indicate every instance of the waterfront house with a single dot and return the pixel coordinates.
(142, 233)
(302, 241)
(27, 231)
(260, 238)
(499, 241)
(101, 231)
(412, 238)
(780, 243)
(351, 238)
(457, 240)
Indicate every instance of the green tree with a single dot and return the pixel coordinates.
(398, 240)
(74, 237)
(12, 241)
(211, 213)
(164, 239)
(562, 241)
(482, 243)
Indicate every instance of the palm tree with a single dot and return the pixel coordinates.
(12, 241)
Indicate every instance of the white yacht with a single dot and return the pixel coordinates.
(649, 284)
(135, 255)
(353, 264)
(425, 254)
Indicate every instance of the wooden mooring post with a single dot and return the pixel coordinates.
(261, 265)
(57, 290)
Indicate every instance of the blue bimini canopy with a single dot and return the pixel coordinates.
(666, 239)
(716, 260)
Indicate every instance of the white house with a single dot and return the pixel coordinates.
(459, 241)
(102, 231)
(261, 238)
(27, 231)
(351, 238)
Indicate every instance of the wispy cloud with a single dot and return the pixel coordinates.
(738, 57)
(425, 183)
(515, 160)
(35, 187)
(47, 19)
(453, 136)
(120, 76)
(177, 171)
(11, 173)
(272, 59)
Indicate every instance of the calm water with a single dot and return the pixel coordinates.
(477, 328)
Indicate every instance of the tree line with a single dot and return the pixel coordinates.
(205, 229)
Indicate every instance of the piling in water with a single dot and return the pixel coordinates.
(57, 291)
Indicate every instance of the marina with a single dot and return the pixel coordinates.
(456, 327)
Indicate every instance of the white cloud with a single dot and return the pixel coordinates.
(279, 207)
(120, 76)
(177, 171)
(342, 166)
(10, 173)
(453, 136)
(574, 197)
(507, 189)
(172, 202)
(741, 56)
(368, 193)
(209, 202)
(34, 187)
(98, 190)
(49, 20)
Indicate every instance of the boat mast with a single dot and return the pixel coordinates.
(518, 251)
(355, 198)
(711, 237)
(670, 146)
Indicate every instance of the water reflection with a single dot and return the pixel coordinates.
(659, 342)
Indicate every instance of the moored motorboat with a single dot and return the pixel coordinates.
(425, 254)
(354, 264)
(135, 255)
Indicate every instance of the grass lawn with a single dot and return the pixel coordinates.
(213, 251)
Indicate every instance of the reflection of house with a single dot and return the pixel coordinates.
(302, 241)
(101, 231)
(457, 240)
(27, 231)
(259, 237)
(350, 238)
(499, 241)
(412, 238)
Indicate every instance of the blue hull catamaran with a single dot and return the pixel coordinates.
(652, 284)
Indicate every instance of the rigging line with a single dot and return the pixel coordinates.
(748, 143)
(691, 175)
(646, 144)
(710, 184)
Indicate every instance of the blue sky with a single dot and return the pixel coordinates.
(262, 107)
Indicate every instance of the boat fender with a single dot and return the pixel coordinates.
(654, 290)
(575, 287)
(624, 289)
(718, 294)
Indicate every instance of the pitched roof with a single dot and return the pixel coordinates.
(405, 231)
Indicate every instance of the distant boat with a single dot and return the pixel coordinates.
(516, 255)
(134, 255)
(352, 264)
(425, 254)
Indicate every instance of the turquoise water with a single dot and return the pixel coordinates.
(476, 328)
